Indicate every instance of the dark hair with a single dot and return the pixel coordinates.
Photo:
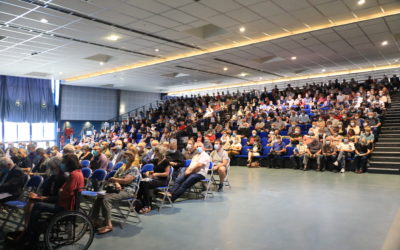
(71, 162)
(218, 140)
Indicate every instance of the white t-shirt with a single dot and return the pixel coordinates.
(203, 158)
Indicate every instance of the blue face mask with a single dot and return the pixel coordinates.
(125, 161)
(199, 149)
(95, 153)
(63, 167)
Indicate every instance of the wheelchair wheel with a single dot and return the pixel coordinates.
(69, 230)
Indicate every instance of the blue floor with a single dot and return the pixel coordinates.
(273, 209)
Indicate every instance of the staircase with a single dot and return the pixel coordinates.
(386, 156)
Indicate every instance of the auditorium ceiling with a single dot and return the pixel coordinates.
(168, 45)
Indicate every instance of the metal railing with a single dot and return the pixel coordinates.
(137, 112)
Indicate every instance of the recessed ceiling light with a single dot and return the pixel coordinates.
(293, 58)
(156, 50)
(112, 37)
(384, 43)
(396, 60)
(225, 68)
(101, 63)
(242, 29)
(243, 74)
(361, 2)
(44, 20)
(260, 78)
(60, 73)
(323, 70)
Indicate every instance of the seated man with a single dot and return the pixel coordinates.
(12, 180)
(277, 150)
(189, 151)
(150, 154)
(196, 172)
(313, 152)
(363, 149)
(235, 147)
(346, 149)
(329, 153)
(298, 155)
(220, 160)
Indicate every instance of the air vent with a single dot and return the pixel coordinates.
(2, 37)
(206, 31)
(107, 86)
(269, 59)
(99, 58)
(300, 71)
(175, 75)
(38, 74)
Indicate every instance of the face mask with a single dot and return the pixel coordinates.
(102, 147)
(297, 132)
(370, 117)
(301, 143)
(346, 141)
(118, 147)
(352, 124)
(95, 153)
(254, 134)
(216, 147)
(199, 150)
(344, 117)
(125, 161)
(328, 143)
(63, 167)
(171, 151)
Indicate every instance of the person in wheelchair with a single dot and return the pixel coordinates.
(119, 187)
(67, 197)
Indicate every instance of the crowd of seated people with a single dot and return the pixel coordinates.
(323, 125)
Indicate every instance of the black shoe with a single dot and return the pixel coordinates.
(221, 187)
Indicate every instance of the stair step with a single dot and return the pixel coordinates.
(376, 158)
(383, 170)
(387, 144)
(388, 139)
(390, 150)
(392, 163)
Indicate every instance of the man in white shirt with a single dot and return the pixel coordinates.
(346, 149)
(196, 172)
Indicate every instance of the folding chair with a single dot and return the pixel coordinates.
(98, 175)
(146, 168)
(166, 190)
(110, 174)
(118, 165)
(110, 166)
(85, 163)
(124, 215)
(207, 181)
(86, 172)
(32, 185)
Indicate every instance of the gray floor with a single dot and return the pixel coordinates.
(273, 209)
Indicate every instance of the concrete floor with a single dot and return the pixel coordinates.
(273, 209)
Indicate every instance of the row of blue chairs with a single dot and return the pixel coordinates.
(265, 152)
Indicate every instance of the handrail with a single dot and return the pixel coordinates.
(135, 111)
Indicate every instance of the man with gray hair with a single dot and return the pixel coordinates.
(12, 180)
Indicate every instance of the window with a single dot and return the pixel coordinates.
(10, 132)
(1, 131)
(37, 131)
(49, 131)
(24, 132)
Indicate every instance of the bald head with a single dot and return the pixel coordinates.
(6, 163)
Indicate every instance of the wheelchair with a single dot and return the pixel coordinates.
(66, 230)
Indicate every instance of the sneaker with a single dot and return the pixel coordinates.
(342, 170)
(221, 188)
(336, 163)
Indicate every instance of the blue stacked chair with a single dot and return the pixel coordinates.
(244, 141)
(264, 141)
(85, 163)
(146, 168)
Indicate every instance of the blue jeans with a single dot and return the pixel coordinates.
(183, 182)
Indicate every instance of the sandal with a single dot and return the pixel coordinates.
(104, 230)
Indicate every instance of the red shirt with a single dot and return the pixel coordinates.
(67, 195)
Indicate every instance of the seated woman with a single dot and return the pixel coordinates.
(157, 178)
(235, 147)
(124, 188)
(254, 151)
(65, 200)
(50, 188)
